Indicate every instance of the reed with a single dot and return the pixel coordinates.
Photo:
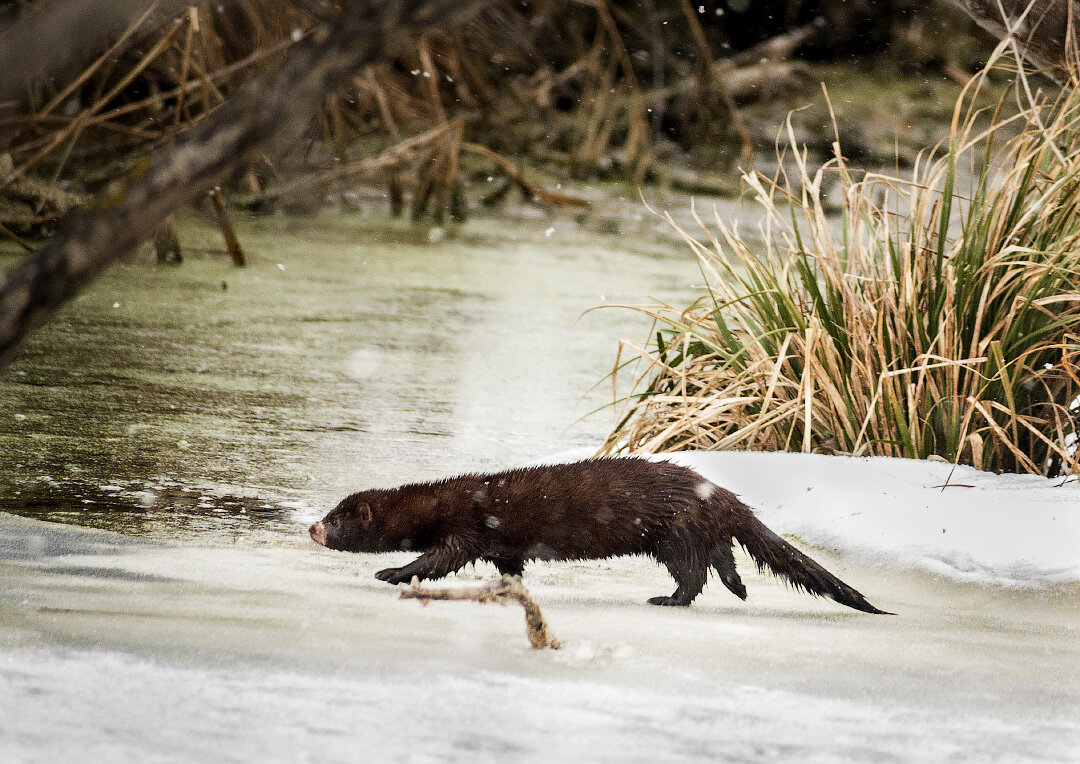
(950, 329)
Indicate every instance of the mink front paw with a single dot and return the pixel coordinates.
(667, 602)
(393, 576)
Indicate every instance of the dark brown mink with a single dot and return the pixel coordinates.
(585, 510)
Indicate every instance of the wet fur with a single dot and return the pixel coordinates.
(585, 510)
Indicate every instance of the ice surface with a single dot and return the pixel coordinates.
(114, 649)
(134, 709)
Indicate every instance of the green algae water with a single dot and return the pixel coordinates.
(351, 352)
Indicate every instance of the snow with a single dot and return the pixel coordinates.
(117, 649)
(954, 521)
(234, 714)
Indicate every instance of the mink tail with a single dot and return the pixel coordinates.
(782, 559)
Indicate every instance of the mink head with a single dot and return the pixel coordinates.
(347, 527)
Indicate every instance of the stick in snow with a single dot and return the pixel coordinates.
(502, 590)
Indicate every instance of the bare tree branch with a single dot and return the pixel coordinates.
(265, 117)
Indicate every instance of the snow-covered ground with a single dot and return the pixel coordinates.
(1010, 530)
(114, 649)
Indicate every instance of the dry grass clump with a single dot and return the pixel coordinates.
(950, 330)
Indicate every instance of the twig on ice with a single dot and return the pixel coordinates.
(502, 590)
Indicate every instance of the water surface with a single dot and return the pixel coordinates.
(352, 352)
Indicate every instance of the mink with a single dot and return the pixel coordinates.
(581, 511)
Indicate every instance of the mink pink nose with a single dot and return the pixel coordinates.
(318, 533)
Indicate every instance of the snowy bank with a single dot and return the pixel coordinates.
(1006, 530)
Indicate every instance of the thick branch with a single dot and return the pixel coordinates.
(265, 117)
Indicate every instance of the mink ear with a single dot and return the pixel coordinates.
(364, 513)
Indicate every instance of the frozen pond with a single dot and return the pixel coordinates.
(119, 649)
(210, 400)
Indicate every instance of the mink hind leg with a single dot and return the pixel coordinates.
(723, 562)
(689, 570)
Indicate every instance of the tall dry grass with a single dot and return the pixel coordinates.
(951, 329)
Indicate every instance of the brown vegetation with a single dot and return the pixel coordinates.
(261, 120)
(588, 85)
(1043, 31)
(901, 334)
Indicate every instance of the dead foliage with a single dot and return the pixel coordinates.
(939, 318)
(589, 85)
